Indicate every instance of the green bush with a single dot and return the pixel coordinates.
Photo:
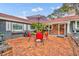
(33, 33)
(1, 33)
(38, 26)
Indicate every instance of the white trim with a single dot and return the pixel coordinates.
(29, 27)
(74, 20)
(58, 22)
(8, 26)
(75, 24)
(24, 26)
(68, 27)
(58, 29)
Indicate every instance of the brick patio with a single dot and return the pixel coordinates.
(54, 46)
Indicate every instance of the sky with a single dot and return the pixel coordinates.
(28, 9)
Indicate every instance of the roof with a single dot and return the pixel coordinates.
(30, 21)
(40, 21)
(66, 18)
(13, 18)
(57, 20)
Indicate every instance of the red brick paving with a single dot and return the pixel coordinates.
(54, 46)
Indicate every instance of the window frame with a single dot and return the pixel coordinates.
(18, 30)
(77, 26)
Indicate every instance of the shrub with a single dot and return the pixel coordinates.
(33, 33)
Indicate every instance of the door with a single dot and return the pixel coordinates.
(55, 29)
(61, 29)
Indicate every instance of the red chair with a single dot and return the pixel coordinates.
(29, 35)
(46, 35)
(39, 38)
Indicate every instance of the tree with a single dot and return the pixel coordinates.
(61, 11)
(37, 26)
(65, 8)
(56, 14)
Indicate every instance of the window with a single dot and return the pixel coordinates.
(78, 24)
(17, 26)
(32, 27)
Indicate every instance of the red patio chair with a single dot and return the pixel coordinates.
(39, 38)
(29, 36)
(46, 35)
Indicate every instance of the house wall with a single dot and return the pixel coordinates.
(2, 26)
(59, 29)
(73, 28)
(3, 29)
(16, 32)
(7, 28)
